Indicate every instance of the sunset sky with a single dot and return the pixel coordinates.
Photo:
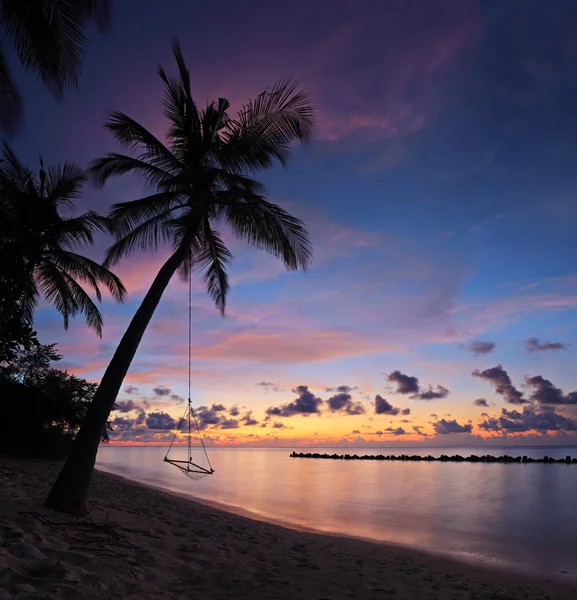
(440, 194)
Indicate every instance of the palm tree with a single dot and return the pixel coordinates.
(202, 175)
(36, 242)
(47, 37)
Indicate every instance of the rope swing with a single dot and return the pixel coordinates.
(189, 467)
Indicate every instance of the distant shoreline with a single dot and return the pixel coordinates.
(173, 546)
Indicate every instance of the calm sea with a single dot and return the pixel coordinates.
(517, 515)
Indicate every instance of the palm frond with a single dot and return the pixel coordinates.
(14, 173)
(125, 216)
(136, 138)
(149, 235)
(267, 226)
(64, 183)
(212, 257)
(10, 99)
(119, 164)
(47, 38)
(266, 129)
(70, 232)
(89, 271)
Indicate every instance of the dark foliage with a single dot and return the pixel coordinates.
(47, 37)
(42, 407)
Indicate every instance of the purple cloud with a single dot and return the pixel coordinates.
(546, 393)
(498, 377)
(383, 407)
(479, 347)
(533, 345)
(444, 427)
(306, 404)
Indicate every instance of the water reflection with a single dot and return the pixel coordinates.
(515, 513)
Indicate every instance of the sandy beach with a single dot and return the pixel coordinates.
(139, 542)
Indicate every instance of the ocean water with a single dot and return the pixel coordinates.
(521, 516)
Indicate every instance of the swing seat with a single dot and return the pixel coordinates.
(190, 469)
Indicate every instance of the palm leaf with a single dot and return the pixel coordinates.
(125, 216)
(70, 232)
(211, 257)
(10, 99)
(266, 226)
(64, 183)
(119, 164)
(85, 269)
(135, 137)
(148, 235)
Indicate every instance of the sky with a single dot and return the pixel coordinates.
(439, 192)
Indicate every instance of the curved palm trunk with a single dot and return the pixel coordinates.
(70, 491)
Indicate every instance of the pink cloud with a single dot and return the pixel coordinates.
(293, 346)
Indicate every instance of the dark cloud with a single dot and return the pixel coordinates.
(343, 402)
(342, 389)
(529, 420)
(434, 415)
(249, 420)
(430, 394)
(382, 407)
(405, 383)
(177, 398)
(393, 431)
(160, 420)
(417, 430)
(355, 431)
(121, 423)
(481, 402)
(234, 412)
(229, 424)
(209, 416)
(443, 427)
(502, 382)
(268, 385)
(544, 392)
(161, 391)
(130, 389)
(306, 404)
(278, 425)
(406, 411)
(533, 345)
(478, 347)
(126, 406)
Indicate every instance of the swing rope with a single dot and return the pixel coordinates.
(191, 469)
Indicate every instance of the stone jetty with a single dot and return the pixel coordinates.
(486, 458)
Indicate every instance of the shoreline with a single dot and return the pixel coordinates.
(178, 546)
(470, 559)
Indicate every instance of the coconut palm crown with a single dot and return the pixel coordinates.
(37, 242)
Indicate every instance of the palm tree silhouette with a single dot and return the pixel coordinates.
(202, 176)
(47, 37)
(36, 242)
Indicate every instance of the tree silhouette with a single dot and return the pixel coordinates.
(48, 38)
(36, 242)
(200, 177)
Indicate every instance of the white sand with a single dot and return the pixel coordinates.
(165, 546)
